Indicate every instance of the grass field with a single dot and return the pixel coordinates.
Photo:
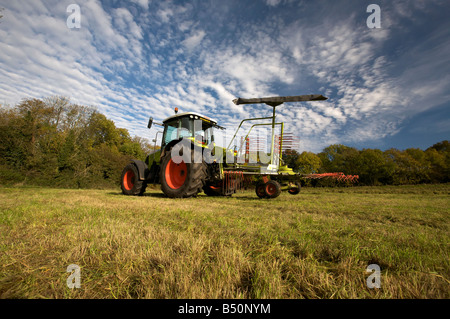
(317, 244)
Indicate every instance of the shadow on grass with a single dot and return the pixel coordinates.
(158, 195)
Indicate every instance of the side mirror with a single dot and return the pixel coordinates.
(150, 122)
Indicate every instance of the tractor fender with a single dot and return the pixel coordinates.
(142, 168)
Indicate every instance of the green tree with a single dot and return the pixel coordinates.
(439, 157)
(290, 159)
(339, 158)
(443, 146)
(407, 168)
(67, 151)
(12, 147)
(54, 142)
(308, 163)
(419, 165)
(102, 130)
(438, 171)
(374, 167)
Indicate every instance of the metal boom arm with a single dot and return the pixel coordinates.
(277, 100)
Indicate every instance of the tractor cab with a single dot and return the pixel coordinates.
(191, 125)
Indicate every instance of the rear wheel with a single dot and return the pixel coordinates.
(180, 179)
(272, 189)
(130, 183)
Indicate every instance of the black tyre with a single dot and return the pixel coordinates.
(183, 179)
(295, 190)
(272, 189)
(260, 190)
(129, 181)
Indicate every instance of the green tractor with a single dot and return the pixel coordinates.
(189, 162)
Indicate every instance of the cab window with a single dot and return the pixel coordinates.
(177, 129)
(170, 131)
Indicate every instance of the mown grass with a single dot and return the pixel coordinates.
(317, 244)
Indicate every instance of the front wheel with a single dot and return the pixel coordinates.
(130, 183)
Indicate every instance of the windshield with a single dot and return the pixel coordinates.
(184, 127)
(176, 129)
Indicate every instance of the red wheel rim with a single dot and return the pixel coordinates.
(271, 189)
(128, 180)
(175, 174)
(260, 190)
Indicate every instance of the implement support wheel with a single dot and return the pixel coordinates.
(260, 192)
(294, 190)
(272, 189)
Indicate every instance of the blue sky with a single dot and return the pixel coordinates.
(387, 87)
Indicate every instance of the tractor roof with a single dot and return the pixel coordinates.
(193, 115)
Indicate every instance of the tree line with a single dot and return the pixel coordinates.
(53, 142)
(376, 167)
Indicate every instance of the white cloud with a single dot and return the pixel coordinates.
(185, 25)
(125, 22)
(194, 40)
(273, 3)
(42, 57)
(109, 64)
(143, 3)
(165, 14)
